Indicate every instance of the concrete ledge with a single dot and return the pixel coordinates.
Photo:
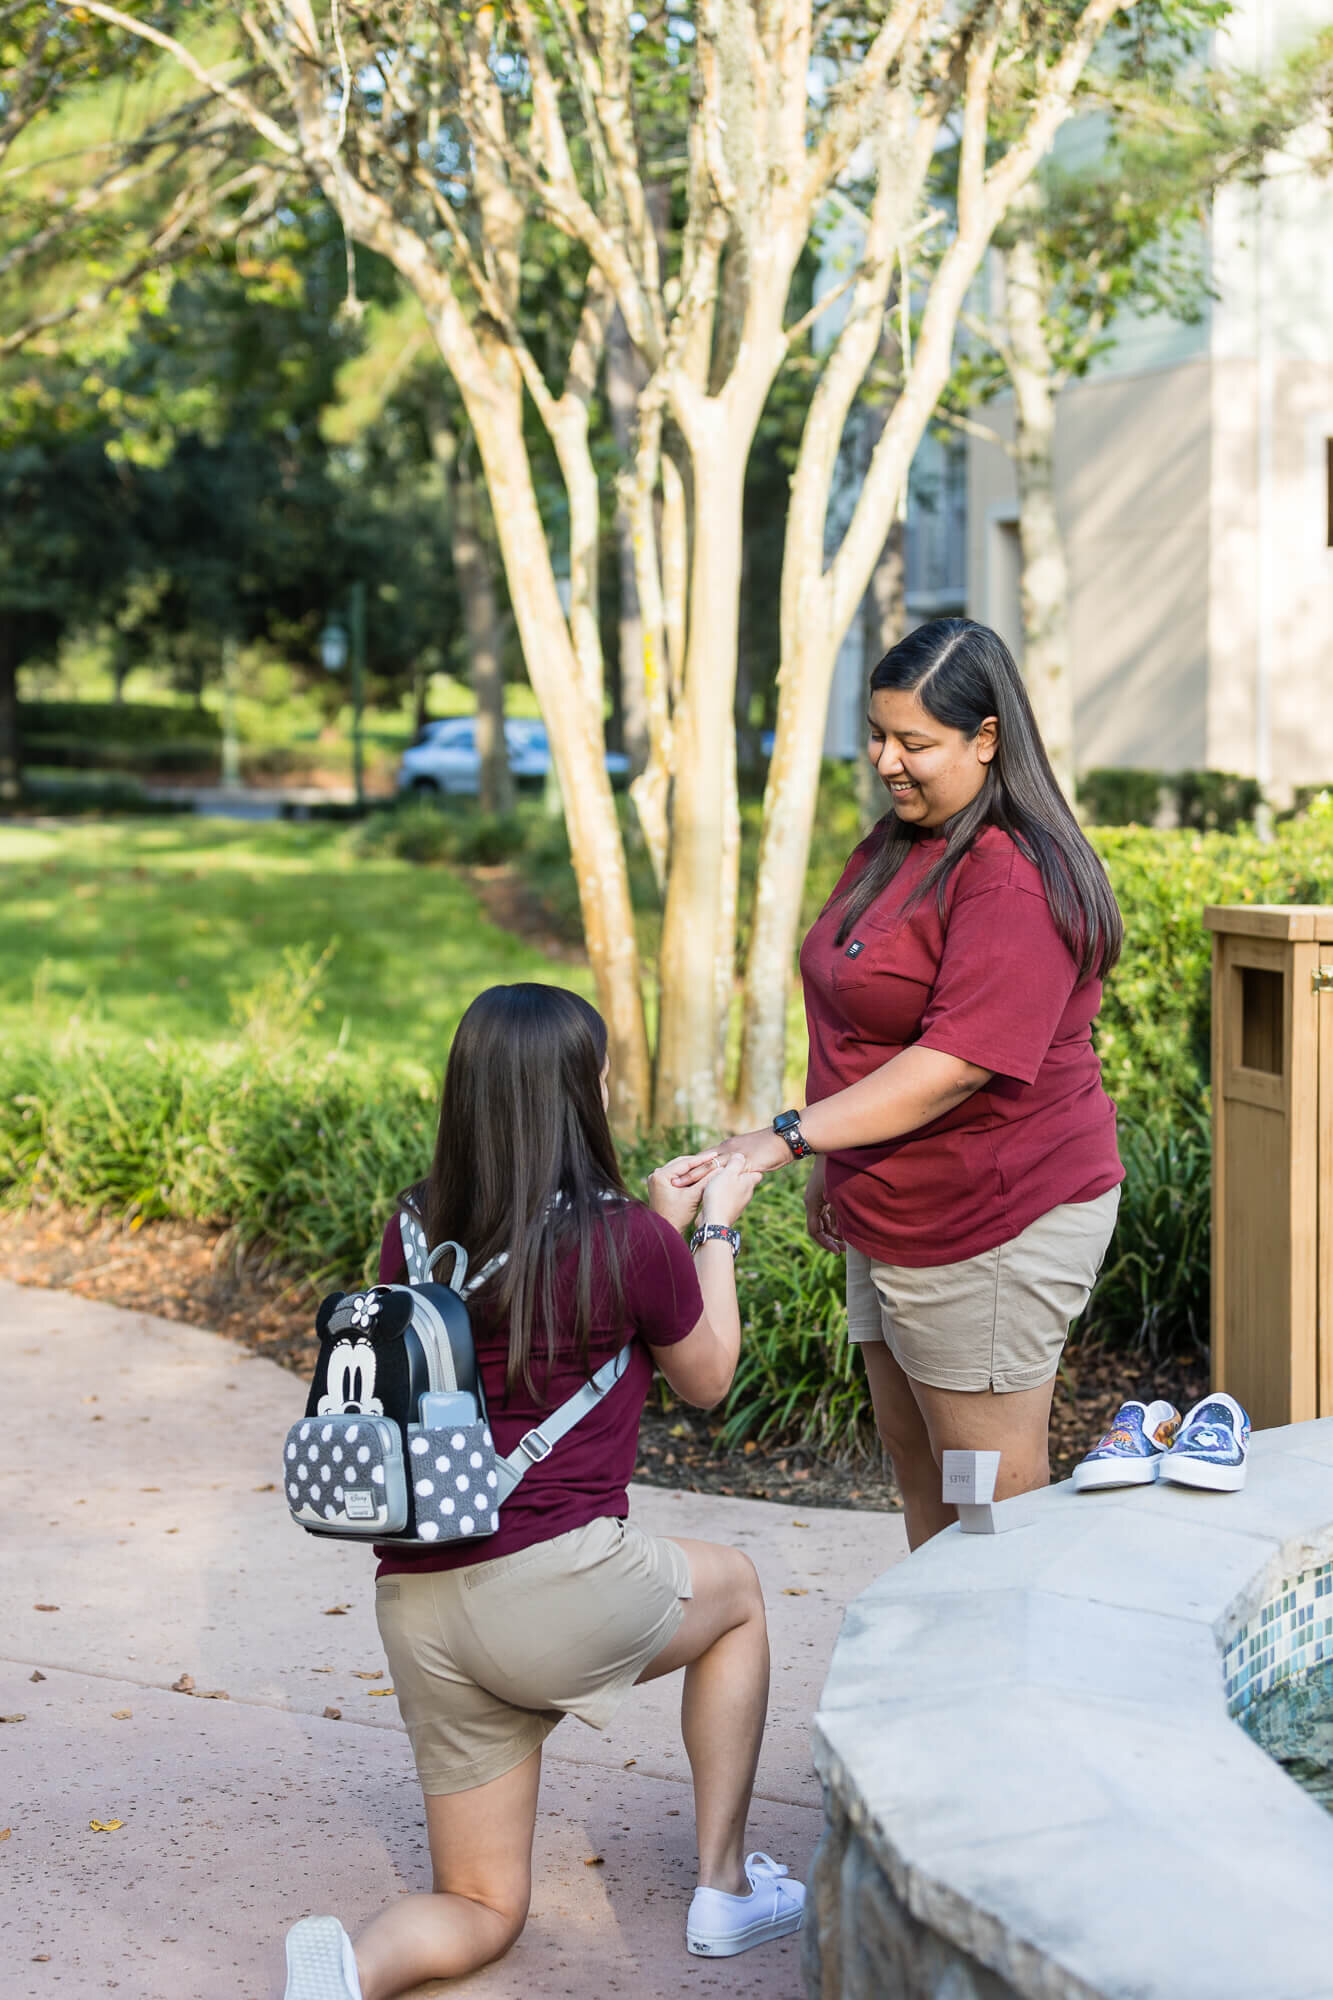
(1032, 1782)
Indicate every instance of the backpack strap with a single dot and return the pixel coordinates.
(416, 1250)
(541, 1442)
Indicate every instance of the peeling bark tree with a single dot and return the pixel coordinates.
(453, 142)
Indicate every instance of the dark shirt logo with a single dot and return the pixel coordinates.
(855, 948)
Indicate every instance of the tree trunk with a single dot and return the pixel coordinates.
(1045, 573)
(476, 589)
(698, 928)
(574, 724)
(883, 623)
(11, 749)
(623, 379)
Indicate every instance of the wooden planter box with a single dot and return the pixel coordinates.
(1272, 1289)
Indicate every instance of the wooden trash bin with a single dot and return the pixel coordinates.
(1272, 1288)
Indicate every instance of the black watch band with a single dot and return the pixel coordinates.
(787, 1125)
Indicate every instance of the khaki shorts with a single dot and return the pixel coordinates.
(998, 1321)
(486, 1660)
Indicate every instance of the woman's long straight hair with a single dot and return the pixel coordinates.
(524, 1159)
(961, 673)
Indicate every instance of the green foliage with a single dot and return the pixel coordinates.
(1153, 1294)
(1116, 796)
(1202, 801)
(123, 725)
(421, 831)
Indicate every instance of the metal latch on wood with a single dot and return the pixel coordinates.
(1321, 979)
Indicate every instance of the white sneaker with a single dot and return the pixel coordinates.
(1212, 1446)
(1130, 1453)
(321, 1964)
(720, 1925)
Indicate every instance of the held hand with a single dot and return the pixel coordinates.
(727, 1194)
(676, 1201)
(820, 1221)
(763, 1152)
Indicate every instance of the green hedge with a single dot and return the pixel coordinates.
(1203, 801)
(117, 736)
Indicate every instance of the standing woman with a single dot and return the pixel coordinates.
(966, 1149)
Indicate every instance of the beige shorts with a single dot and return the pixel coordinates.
(486, 1660)
(997, 1321)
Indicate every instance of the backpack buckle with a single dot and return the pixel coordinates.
(536, 1447)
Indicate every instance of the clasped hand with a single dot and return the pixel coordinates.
(718, 1187)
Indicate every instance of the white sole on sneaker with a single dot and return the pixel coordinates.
(1115, 1472)
(764, 1930)
(1184, 1471)
(315, 1961)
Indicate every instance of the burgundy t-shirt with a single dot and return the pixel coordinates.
(586, 1475)
(993, 983)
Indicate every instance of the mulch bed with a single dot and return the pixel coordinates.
(197, 1276)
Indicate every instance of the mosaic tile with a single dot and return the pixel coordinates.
(1291, 1634)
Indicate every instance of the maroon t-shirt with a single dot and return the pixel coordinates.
(993, 983)
(586, 1475)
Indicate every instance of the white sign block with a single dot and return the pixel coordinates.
(969, 1477)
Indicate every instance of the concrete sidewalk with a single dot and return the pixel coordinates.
(145, 1541)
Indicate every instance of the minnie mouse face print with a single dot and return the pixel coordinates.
(350, 1383)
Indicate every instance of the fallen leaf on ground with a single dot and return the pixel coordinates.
(270, 1488)
(185, 1685)
(790, 1590)
(372, 1692)
(321, 1670)
(337, 1610)
(36, 1675)
(41, 1958)
(46, 1607)
(629, 1763)
(210, 1694)
(122, 1715)
(13, 1718)
(800, 1524)
(368, 1673)
(5, 1832)
(171, 1531)
(333, 1715)
(150, 1489)
(594, 1860)
(106, 1825)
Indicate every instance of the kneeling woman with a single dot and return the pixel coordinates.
(967, 1156)
(570, 1604)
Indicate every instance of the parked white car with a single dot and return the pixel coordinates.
(444, 757)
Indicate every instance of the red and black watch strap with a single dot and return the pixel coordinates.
(787, 1125)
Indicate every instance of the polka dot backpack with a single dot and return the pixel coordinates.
(395, 1444)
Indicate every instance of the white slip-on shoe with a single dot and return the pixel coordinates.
(1212, 1446)
(719, 1925)
(1130, 1452)
(321, 1964)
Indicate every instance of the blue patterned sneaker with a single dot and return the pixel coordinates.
(1211, 1447)
(1131, 1451)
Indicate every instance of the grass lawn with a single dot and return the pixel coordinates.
(188, 927)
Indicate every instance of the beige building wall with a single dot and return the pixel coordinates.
(1132, 488)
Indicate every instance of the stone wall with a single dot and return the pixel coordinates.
(861, 1942)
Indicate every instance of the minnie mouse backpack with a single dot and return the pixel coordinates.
(395, 1445)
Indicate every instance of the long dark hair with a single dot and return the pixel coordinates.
(961, 673)
(524, 1159)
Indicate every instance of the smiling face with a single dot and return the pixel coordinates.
(929, 770)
